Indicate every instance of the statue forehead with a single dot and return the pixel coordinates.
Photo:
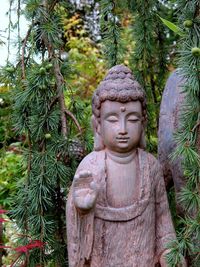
(131, 106)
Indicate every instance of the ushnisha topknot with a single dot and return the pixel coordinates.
(118, 85)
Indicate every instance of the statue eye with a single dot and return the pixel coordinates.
(133, 119)
(112, 119)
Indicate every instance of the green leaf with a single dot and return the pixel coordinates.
(172, 26)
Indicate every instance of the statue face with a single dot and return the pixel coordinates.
(120, 125)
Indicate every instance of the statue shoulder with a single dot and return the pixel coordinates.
(155, 169)
(151, 158)
(154, 164)
(91, 160)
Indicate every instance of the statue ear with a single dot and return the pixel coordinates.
(98, 142)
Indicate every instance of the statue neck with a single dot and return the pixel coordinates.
(122, 158)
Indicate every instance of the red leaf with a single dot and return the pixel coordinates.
(31, 245)
(3, 211)
(35, 244)
(22, 249)
(3, 220)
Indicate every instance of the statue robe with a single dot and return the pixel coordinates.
(132, 236)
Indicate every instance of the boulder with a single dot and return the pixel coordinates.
(172, 100)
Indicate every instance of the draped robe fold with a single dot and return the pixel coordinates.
(132, 236)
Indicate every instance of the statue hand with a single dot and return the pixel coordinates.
(84, 191)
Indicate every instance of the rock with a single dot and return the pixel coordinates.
(172, 100)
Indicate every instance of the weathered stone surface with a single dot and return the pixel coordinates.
(172, 100)
(117, 209)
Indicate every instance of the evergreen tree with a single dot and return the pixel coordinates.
(110, 31)
(150, 58)
(187, 136)
(41, 115)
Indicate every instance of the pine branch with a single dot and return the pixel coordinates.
(18, 24)
(23, 51)
(110, 31)
(9, 28)
(196, 126)
(147, 57)
(70, 114)
(187, 135)
(60, 83)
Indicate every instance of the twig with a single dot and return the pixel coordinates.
(23, 51)
(53, 5)
(9, 30)
(23, 235)
(70, 114)
(55, 99)
(195, 126)
(60, 82)
(15, 260)
(18, 24)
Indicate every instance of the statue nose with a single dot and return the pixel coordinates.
(123, 129)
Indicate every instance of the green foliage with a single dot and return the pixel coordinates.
(85, 59)
(187, 137)
(149, 60)
(51, 150)
(7, 135)
(11, 172)
(172, 205)
(172, 26)
(40, 203)
(110, 31)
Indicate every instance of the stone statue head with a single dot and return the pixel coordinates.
(119, 85)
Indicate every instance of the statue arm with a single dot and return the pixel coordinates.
(79, 234)
(79, 226)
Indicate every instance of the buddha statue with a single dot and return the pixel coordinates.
(117, 208)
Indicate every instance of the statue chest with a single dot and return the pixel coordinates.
(122, 185)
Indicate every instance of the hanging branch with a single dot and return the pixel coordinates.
(195, 126)
(57, 72)
(18, 24)
(74, 119)
(148, 64)
(144, 31)
(23, 51)
(60, 83)
(28, 129)
(67, 112)
(9, 28)
(110, 31)
(40, 111)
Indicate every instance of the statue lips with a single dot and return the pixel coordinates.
(123, 139)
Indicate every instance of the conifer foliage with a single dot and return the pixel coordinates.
(149, 60)
(42, 117)
(110, 31)
(187, 136)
